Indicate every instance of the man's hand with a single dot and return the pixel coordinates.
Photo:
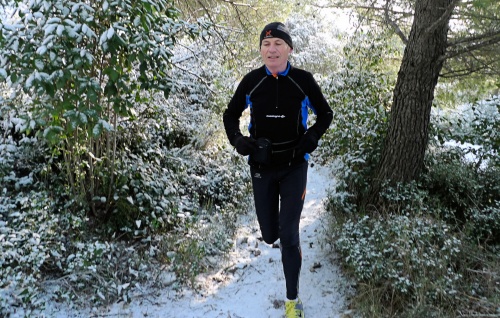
(308, 142)
(245, 145)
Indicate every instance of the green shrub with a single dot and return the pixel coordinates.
(454, 185)
(432, 248)
(163, 195)
(474, 128)
(29, 223)
(412, 257)
(464, 196)
(483, 225)
(360, 95)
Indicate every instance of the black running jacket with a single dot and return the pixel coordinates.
(278, 110)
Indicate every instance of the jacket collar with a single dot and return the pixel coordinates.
(284, 73)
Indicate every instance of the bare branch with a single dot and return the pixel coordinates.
(469, 64)
(198, 77)
(393, 24)
(469, 68)
(238, 4)
(473, 47)
(474, 38)
(383, 15)
(342, 5)
(445, 17)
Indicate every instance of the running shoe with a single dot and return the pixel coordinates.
(294, 309)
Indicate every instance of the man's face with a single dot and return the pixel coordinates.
(274, 52)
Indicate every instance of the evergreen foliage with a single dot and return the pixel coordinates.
(431, 249)
(84, 68)
(116, 174)
(114, 169)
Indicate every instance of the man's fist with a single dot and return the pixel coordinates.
(245, 145)
(308, 142)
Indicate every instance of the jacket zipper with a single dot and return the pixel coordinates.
(277, 92)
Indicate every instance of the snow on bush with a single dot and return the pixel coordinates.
(359, 94)
(168, 183)
(473, 128)
(414, 255)
(179, 188)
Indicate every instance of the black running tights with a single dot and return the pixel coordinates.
(279, 198)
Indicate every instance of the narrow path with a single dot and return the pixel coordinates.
(252, 284)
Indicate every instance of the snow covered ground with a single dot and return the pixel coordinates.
(251, 283)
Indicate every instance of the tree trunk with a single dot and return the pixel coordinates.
(407, 137)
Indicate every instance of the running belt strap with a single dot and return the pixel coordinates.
(284, 146)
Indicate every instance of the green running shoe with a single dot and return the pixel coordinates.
(294, 309)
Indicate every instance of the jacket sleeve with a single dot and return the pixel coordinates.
(320, 107)
(232, 114)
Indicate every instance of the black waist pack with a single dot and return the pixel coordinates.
(264, 151)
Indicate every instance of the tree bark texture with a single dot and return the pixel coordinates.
(406, 141)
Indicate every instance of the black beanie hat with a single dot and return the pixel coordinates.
(276, 30)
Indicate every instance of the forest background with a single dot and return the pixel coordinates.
(114, 165)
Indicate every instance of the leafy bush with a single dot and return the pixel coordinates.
(483, 225)
(433, 249)
(465, 198)
(474, 128)
(454, 185)
(360, 95)
(416, 266)
(184, 197)
(405, 258)
(28, 226)
(463, 179)
(416, 260)
(83, 71)
(178, 192)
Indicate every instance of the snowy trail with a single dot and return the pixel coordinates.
(252, 283)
